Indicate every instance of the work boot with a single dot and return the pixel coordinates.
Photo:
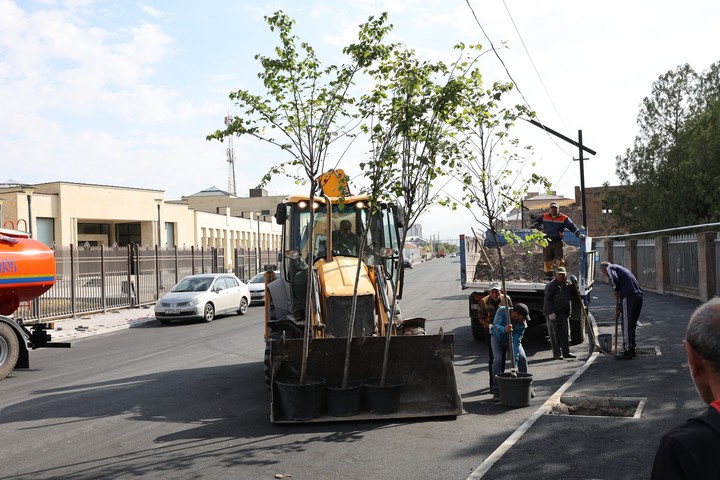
(569, 355)
(549, 275)
(625, 355)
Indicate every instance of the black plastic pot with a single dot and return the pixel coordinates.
(383, 399)
(514, 390)
(301, 401)
(344, 402)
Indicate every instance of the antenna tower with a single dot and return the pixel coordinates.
(231, 160)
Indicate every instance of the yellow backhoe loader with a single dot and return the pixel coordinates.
(330, 250)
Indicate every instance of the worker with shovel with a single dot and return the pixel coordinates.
(501, 330)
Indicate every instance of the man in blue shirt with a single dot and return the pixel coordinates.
(628, 303)
(500, 339)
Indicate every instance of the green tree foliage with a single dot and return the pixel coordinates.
(672, 170)
(491, 161)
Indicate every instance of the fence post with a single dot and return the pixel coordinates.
(73, 293)
(103, 292)
(631, 255)
(157, 272)
(706, 265)
(662, 264)
(177, 265)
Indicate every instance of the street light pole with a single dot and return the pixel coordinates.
(258, 241)
(28, 192)
(158, 201)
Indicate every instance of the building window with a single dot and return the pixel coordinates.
(45, 230)
(605, 207)
(127, 233)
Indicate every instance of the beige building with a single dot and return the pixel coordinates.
(64, 213)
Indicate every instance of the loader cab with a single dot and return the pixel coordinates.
(381, 239)
(347, 218)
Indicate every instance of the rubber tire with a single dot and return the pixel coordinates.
(577, 330)
(266, 358)
(209, 312)
(478, 331)
(9, 350)
(243, 306)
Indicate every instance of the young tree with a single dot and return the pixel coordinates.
(306, 107)
(407, 116)
(492, 163)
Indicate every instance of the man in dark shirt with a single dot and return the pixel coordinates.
(690, 451)
(628, 303)
(556, 307)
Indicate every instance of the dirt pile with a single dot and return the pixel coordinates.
(521, 264)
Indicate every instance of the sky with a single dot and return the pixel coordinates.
(125, 92)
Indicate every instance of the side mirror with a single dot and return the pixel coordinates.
(280, 214)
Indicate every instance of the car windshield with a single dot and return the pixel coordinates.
(192, 285)
(259, 278)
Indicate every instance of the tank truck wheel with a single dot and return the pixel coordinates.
(209, 313)
(9, 350)
(478, 331)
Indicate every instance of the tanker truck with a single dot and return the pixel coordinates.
(524, 280)
(27, 270)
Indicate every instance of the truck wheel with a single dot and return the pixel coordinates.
(478, 331)
(9, 350)
(577, 330)
(209, 314)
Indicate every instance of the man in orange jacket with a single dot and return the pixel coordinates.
(553, 224)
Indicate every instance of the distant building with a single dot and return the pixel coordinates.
(65, 213)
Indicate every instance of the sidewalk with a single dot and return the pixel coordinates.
(87, 325)
(592, 446)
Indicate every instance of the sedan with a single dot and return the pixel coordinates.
(407, 263)
(256, 285)
(203, 296)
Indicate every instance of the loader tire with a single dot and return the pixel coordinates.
(267, 368)
(9, 350)
(478, 331)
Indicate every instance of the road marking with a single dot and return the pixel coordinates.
(517, 434)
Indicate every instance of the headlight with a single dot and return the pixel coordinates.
(194, 301)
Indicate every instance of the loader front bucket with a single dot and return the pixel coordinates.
(423, 363)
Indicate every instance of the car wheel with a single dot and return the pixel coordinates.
(243, 306)
(209, 314)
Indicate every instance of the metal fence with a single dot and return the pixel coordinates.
(646, 261)
(95, 279)
(683, 261)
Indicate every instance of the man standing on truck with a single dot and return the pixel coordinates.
(488, 306)
(628, 303)
(553, 224)
(557, 307)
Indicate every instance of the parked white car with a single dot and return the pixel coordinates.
(204, 296)
(256, 285)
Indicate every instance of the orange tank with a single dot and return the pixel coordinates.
(27, 269)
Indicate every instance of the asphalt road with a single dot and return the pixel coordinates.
(188, 400)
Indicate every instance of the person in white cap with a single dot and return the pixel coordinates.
(557, 307)
(553, 224)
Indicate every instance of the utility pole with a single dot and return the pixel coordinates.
(582, 149)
